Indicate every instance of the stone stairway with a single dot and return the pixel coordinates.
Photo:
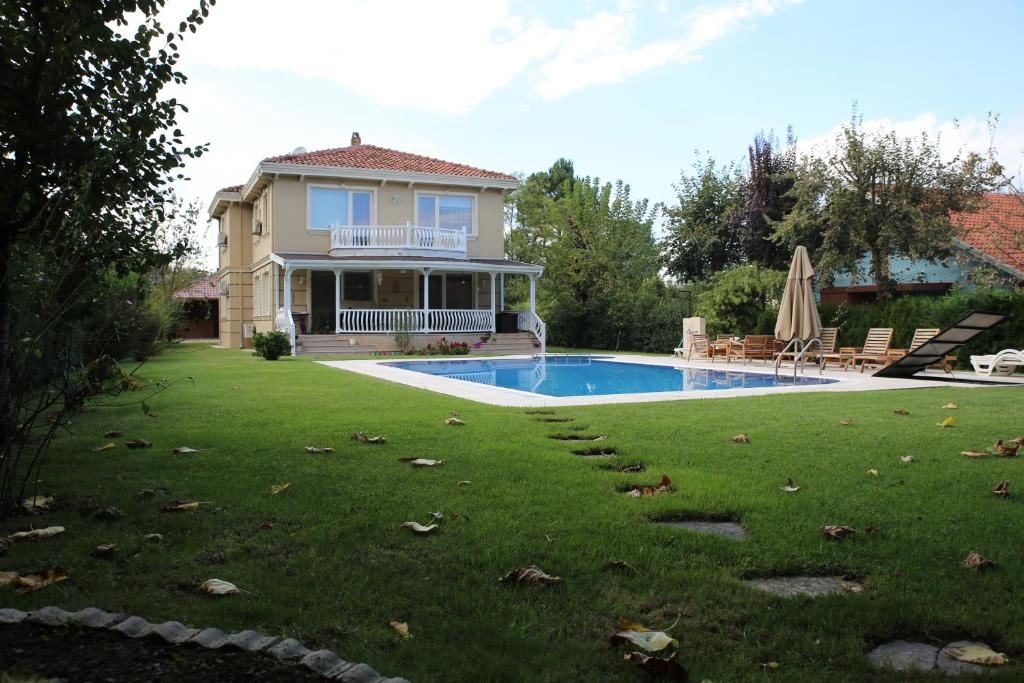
(517, 343)
(507, 344)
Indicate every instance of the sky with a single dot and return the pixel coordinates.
(626, 89)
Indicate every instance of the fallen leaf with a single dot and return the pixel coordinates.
(110, 512)
(907, 458)
(35, 534)
(846, 422)
(976, 654)
(638, 491)
(652, 641)
(364, 438)
(266, 525)
(769, 666)
(182, 450)
(663, 667)
(1002, 489)
(1019, 441)
(180, 506)
(418, 528)
(422, 462)
(464, 482)
(788, 487)
(901, 411)
(530, 574)
(104, 447)
(400, 627)
(976, 561)
(319, 449)
(621, 565)
(850, 586)
(975, 454)
(103, 550)
(454, 421)
(145, 493)
(838, 531)
(1006, 451)
(633, 469)
(741, 438)
(947, 422)
(277, 488)
(37, 504)
(218, 587)
(113, 434)
(138, 443)
(153, 538)
(7, 578)
(949, 406)
(26, 583)
(873, 472)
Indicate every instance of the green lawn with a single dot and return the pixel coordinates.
(336, 566)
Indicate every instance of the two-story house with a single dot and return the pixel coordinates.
(347, 248)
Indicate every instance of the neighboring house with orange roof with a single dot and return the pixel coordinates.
(346, 248)
(199, 315)
(989, 241)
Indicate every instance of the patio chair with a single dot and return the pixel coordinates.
(876, 344)
(753, 346)
(828, 345)
(1003, 363)
(699, 345)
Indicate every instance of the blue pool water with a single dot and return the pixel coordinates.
(591, 376)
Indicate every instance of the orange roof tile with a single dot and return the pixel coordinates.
(204, 288)
(996, 228)
(231, 188)
(383, 159)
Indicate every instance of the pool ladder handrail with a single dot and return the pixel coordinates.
(800, 357)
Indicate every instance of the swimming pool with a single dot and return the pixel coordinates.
(595, 376)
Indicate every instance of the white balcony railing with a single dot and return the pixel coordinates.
(394, 320)
(397, 240)
(531, 322)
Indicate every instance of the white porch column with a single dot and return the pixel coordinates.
(288, 305)
(426, 299)
(337, 301)
(494, 323)
(533, 294)
(503, 291)
(275, 295)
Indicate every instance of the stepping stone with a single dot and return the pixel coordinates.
(50, 616)
(727, 529)
(134, 627)
(325, 663)
(93, 617)
(289, 648)
(360, 673)
(250, 641)
(954, 667)
(174, 632)
(797, 586)
(901, 655)
(9, 615)
(210, 638)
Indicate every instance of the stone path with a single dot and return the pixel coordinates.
(323, 662)
(809, 586)
(902, 655)
(727, 529)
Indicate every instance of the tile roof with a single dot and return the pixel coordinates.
(997, 228)
(203, 288)
(383, 159)
(231, 188)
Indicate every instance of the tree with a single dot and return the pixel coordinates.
(766, 199)
(883, 196)
(703, 227)
(88, 150)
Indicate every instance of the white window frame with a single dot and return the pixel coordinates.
(473, 229)
(347, 188)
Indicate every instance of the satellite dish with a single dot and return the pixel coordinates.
(299, 150)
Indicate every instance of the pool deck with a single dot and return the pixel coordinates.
(847, 381)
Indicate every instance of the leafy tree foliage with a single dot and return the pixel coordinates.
(766, 199)
(884, 196)
(742, 300)
(88, 149)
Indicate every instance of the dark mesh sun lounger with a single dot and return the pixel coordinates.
(941, 345)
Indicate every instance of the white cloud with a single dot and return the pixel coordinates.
(398, 52)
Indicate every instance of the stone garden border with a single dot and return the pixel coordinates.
(323, 662)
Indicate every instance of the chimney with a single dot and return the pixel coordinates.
(355, 139)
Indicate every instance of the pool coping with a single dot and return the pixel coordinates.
(500, 396)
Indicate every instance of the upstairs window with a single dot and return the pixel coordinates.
(330, 206)
(449, 211)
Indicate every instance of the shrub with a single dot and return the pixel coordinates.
(742, 300)
(443, 348)
(271, 345)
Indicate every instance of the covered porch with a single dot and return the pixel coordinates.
(416, 295)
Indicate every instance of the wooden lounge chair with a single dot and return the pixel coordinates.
(876, 349)
(922, 336)
(876, 344)
(828, 345)
(1001, 364)
(753, 346)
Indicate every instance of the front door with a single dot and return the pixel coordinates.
(459, 291)
(321, 291)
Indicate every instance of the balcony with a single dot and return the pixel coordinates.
(397, 240)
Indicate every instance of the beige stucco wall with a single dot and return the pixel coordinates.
(394, 204)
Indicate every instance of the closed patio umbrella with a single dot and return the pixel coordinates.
(798, 314)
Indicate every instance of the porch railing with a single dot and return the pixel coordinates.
(531, 322)
(406, 238)
(394, 320)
